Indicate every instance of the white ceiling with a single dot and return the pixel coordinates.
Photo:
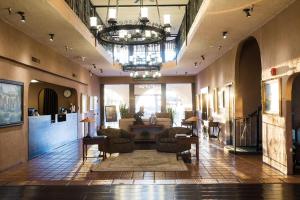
(215, 17)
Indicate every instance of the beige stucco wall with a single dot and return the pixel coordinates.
(279, 42)
(16, 50)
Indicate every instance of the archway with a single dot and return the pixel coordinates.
(247, 135)
(295, 121)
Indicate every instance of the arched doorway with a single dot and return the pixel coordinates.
(247, 135)
(295, 121)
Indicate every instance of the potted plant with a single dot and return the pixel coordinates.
(172, 112)
(124, 111)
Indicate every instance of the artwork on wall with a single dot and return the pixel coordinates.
(11, 103)
(204, 103)
(272, 97)
(221, 99)
(110, 113)
(83, 103)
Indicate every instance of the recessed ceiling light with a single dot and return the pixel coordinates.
(225, 34)
(51, 35)
(22, 15)
(34, 81)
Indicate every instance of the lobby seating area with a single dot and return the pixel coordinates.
(153, 95)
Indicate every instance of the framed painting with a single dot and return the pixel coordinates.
(272, 97)
(11, 103)
(110, 113)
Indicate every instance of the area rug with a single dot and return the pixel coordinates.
(142, 160)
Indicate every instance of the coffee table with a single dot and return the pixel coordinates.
(99, 140)
(189, 140)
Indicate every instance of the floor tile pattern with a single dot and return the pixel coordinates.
(64, 166)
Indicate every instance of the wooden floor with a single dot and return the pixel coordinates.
(63, 166)
(153, 192)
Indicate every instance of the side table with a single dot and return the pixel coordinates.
(99, 140)
(189, 140)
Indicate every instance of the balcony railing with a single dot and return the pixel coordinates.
(84, 10)
(191, 11)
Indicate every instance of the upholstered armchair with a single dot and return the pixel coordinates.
(118, 141)
(166, 141)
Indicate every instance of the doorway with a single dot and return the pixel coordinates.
(247, 134)
(296, 123)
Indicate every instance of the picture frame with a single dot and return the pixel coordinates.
(272, 97)
(11, 103)
(111, 113)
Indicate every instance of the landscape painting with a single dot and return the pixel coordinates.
(11, 103)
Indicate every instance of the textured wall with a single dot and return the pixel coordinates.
(279, 43)
(16, 50)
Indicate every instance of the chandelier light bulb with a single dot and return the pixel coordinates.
(168, 29)
(159, 74)
(147, 34)
(93, 22)
(167, 20)
(144, 13)
(146, 73)
(131, 74)
(112, 14)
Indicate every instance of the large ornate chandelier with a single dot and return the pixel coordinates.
(141, 42)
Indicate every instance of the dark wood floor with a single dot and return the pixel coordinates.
(168, 192)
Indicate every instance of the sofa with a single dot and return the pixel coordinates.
(118, 141)
(161, 119)
(166, 141)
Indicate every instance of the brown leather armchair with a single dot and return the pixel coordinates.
(166, 141)
(118, 141)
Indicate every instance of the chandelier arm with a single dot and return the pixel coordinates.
(157, 7)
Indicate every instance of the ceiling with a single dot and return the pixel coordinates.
(214, 17)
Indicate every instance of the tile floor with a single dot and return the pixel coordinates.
(64, 166)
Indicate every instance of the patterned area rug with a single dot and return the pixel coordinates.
(142, 160)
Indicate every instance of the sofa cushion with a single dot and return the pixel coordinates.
(111, 132)
(119, 140)
(167, 140)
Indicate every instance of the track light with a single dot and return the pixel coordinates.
(9, 10)
(51, 35)
(203, 58)
(94, 66)
(225, 34)
(195, 64)
(22, 15)
(248, 11)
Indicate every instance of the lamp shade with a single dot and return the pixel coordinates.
(144, 12)
(112, 14)
(167, 19)
(93, 21)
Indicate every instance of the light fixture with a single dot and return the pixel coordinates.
(22, 15)
(34, 81)
(112, 15)
(195, 64)
(9, 10)
(247, 11)
(167, 20)
(203, 58)
(225, 34)
(51, 35)
(93, 22)
(94, 66)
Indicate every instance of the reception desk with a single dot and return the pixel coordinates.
(46, 134)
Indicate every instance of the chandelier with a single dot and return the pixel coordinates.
(139, 43)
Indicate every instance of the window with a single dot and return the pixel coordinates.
(115, 95)
(179, 98)
(149, 97)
